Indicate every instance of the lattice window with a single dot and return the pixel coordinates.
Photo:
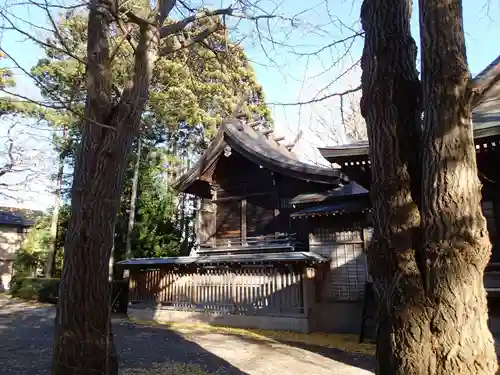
(348, 270)
(285, 203)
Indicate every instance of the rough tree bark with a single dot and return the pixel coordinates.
(455, 237)
(83, 342)
(390, 106)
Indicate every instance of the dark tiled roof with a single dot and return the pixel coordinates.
(292, 256)
(260, 148)
(18, 216)
(486, 115)
(158, 261)
(282, 257)
(349, 189)
(334, 208)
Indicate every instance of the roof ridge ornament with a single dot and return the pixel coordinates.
(257, 124)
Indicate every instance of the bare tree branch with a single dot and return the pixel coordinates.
(38, 41)
(81, 4)
(53, 95)
(320, 99)
(164, 7)
(22, 162)
(179, 26)
(181, 43)
(7, 167)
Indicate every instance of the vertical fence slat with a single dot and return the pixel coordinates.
(258, 290)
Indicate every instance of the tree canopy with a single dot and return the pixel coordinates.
(191, 91)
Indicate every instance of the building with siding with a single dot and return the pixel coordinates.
(14, 226)
(281, 242)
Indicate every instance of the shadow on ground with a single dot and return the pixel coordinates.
(26, 335)
(361, 361)
(276, 345)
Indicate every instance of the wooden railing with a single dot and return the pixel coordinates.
(244, 291)
(281, 240)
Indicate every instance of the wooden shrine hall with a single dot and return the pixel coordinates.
(353, 161)
(280, 242)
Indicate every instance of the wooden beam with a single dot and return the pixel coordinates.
(254, 124)
(267, 132)
(237, 197)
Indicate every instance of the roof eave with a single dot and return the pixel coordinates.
(334, 154)
(206, 160)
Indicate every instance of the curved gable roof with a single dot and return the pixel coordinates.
(486, 113)
(260, 149)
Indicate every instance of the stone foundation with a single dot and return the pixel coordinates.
(168, 315)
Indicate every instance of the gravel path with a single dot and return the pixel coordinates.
(26, 340)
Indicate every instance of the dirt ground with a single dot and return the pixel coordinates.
(26, 343)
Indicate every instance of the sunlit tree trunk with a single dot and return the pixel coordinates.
(390, 106)
(455, 238)
(83, 341)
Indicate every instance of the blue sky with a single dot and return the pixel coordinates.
(279, 55)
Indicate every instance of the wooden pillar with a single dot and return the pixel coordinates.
(366, 243)
(132, 284)
(213, 226)
(308, 289)
(243, 221)
(308, 275)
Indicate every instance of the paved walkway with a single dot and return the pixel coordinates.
(26, 339)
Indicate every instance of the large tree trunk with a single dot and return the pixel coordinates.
(456, 243)
(390, 106)
(83, 341)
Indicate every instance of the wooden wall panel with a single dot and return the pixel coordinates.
(206, 221)
(228, 219)
(260, 216)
